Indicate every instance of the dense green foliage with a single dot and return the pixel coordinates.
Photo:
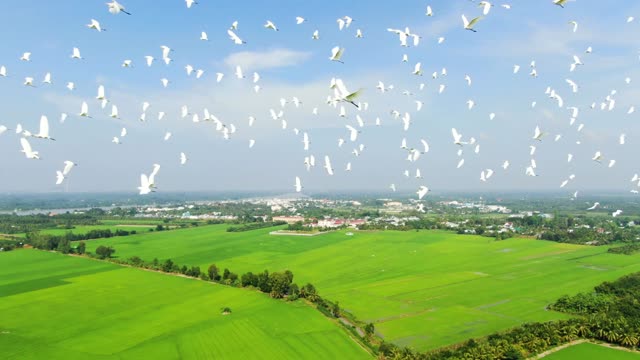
(254, 226)
(626, 249)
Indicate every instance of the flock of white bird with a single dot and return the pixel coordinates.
(340, 98)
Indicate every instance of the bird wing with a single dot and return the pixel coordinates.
(26, 147)
(465, 21)
(44, 126)
(59, 178)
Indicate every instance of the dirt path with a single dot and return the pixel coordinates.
(558, 348)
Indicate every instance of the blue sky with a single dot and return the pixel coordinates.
(291, 64)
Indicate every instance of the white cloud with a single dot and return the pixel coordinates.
(258, 60)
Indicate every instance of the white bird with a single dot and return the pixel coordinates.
(538, 134)
(115, 140)
(467, 78)
(299, 20)
(560, 2)
(43, 133)
(429, 11)
(574, 86)
(167, 136)
(348, 167)
(505, 165)
(94, 24)
(61, 175)
(47, 79)
(298, 185)
(468, 25)
(26, 56)
(116, 8)
(84, 110)
(612, 163)
(28, 81)
(516, 69)
(3, 71)
(336, 54)
(219, 77)
(149, 59)
(183, 158)
(237, 40)
(145, 186)
(165, 51)
(239, 73)
(153, 174)
(353, 132)
(165, 82)
(359, 34)
(457, 137)
(252, 142)
(26, 149)
(575, 25)
(569, 157)
(595, 205)
(327, 165)
(393, 187)
(316, 35)
(460, 163)
(270, 25)
(622, 139)
(123, 132)
(417, 69)
(529, 171)
(190, 3)
(597, 157)
(470, 104)
(76, 53)
(616, 213)
(127, 63)
(204, 36)
(486, 7)
(532, 150)
(422, 191)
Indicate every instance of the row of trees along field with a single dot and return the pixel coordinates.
(610, 313)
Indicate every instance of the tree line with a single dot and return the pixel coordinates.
(254, 226)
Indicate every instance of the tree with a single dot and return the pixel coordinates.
(335, 309)
(81, 248)
(167, 266)
(263, 282)
(213, 272)
(105, 252)
(194, 271)
(225, 274)
(279, 284)
(248, 279)
(369, 329)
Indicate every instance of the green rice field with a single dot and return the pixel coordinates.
(588, 351)
(422, 289)
(55, 306)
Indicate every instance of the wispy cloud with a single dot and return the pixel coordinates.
(270, 59)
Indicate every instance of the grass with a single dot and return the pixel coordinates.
(422, 289)
(588, 351)
(60, 307)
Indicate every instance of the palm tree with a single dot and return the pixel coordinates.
(628, 340)
(612, 336)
